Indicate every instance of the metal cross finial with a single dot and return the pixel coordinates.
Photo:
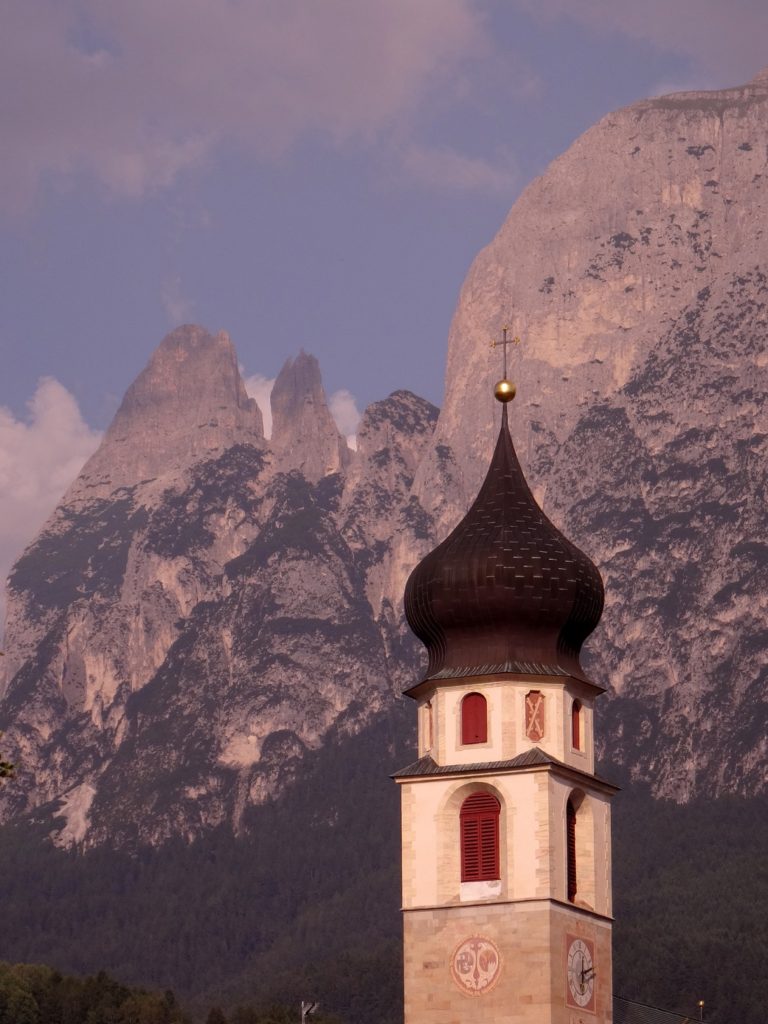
(505, 340)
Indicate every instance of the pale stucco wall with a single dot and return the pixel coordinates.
(506, 720)
(532, 846)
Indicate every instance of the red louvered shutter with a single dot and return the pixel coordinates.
(576, 725)
(570, 816)
(489, 847)
(479, 821)
(474, 719)
(470, 849)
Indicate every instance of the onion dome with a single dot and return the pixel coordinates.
(506, 591)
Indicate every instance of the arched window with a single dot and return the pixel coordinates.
(570, 847)
(479, 819)
(576, 725)
(474, 719)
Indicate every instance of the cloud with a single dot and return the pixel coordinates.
(178, 308)
(134, 94)
(343, 407)
(721, 39)
(260, 388)
(445, 169)
(39, 459)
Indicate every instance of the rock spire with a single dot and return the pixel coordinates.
(188, 403)
(304, 435)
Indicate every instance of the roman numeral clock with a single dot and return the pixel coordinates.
(506, 841)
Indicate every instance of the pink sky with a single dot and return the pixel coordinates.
(299, 173)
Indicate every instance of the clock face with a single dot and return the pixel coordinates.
(580, 969)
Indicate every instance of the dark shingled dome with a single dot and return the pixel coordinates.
(506, 591)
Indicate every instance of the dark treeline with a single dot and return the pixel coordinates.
(305, 904)
(33, 994)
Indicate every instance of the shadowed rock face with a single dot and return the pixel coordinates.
(205, 606)
(634, 270)
(177, 643)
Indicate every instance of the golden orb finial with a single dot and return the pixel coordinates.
(504, 390)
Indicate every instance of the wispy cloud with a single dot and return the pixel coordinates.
(343, 407)
(445, 169)
(178, 307)
(720, 39)
(133, 94)
(260, 388)
(40, 456)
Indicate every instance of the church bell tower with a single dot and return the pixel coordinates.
(506, 835)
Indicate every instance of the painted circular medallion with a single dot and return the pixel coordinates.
(476, 965)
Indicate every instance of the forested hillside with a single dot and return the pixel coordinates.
(276, 914)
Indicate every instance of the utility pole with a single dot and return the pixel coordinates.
(307, 1009)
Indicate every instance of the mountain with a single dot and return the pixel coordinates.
(634, 271)
(205, 604)
(205, 642)
(197, 615)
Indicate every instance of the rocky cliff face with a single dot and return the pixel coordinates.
(634, 270)
(177, 641)
(601, 256)
(206, 606)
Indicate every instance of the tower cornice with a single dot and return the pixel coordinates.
(526, 901)
(533, 760)
(497, 674)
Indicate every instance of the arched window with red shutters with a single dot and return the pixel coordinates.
(474, 719)
(479, 819)
(576, 725)
(570, 819)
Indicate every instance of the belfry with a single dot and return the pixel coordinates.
(506, 837)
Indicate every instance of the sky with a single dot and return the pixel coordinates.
(313, 174)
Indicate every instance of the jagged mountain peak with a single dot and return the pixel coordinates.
(402, 410)
(232, 580)
(188, 403)
(191, 379)
(304, 434)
